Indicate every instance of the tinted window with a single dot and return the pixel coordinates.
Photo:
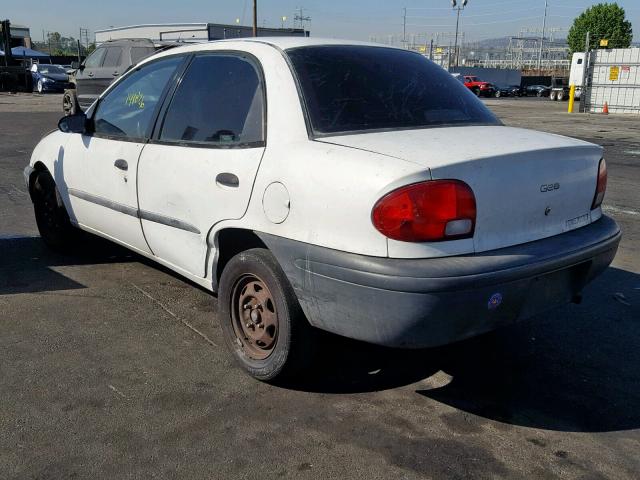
(95, 59)
(138, 53)
(219, 101)
(128, 109)
(350, 88)
(113, 56)
(51, 69)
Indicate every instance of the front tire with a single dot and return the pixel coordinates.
(69, 103)
(40, 87)
(52, 218)
(261, 319)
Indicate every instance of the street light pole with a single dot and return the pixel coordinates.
(255, 18)
(544, 27)
(454, 4)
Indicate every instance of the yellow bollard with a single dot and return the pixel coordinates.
(572, 97)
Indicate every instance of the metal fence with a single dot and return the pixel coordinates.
(614, 79)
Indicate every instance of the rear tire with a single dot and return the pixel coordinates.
(40, 87)
(262, 322)
(498, 94)
(52, 218)
(560, 96)
(476, 92)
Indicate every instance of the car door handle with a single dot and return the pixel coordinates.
(115, 74)
(228, 180)
(121, 164)
(90, 74)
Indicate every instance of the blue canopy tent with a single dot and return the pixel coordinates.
(22, 52)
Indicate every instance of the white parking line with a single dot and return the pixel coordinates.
(624, 211)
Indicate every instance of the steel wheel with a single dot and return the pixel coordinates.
(254, 317)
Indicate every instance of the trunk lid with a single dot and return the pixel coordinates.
(528, 185)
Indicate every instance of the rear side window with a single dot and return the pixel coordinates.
(128, 110)
(95, 59)
(219, 102)
(138, 53)
(350, 88)
(113, 57)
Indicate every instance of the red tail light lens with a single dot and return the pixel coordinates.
(430, 211)
(601, 186)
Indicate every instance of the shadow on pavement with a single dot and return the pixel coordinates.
(574, 369)
(25, 263)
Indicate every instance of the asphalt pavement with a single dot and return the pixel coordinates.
(113, 367)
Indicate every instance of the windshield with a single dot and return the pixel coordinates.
(350, 88)
(51, 69)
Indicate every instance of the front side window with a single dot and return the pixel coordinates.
(95, 59)
(350, 88)
(219, 102)
(128, 109)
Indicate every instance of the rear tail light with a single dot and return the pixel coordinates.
(430, 211)
(601, 186)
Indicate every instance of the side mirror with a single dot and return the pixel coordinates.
(75, 65)
(73, 123)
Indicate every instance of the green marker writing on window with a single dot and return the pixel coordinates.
(135, 98)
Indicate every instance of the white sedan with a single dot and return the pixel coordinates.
(324, 184)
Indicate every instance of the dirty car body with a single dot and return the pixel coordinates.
(394, 218)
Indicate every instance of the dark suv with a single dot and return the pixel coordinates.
(106, 63)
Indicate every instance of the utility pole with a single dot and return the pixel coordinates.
(454, 4)
(544, 27)
(404, 28)
(300, 17)
(255, 18)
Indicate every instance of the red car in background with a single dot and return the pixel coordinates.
(479, 87)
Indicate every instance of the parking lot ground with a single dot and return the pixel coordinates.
(111, 367)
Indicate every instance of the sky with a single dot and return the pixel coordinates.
(355, 19)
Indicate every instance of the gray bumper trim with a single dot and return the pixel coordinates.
(451, 273)
(426, 302)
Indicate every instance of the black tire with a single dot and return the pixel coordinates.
(69, 103)
(539, 94)
(476, 92)
(52, 218)
(282, 354)
(498, 94)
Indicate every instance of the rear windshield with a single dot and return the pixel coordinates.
(350, 88)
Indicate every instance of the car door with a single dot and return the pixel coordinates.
(200, 166)
(86, 90)
(103, 163)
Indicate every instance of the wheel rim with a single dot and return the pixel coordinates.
(254, 317)
(39, 86)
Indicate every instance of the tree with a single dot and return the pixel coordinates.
(604, 21)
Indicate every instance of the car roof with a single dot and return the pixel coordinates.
(283, 43)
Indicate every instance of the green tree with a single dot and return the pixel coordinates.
(604, 21)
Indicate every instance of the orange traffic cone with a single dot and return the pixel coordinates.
(605, 109)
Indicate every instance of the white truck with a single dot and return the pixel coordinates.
(576, 75)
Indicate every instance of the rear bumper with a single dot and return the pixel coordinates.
(427, 302)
